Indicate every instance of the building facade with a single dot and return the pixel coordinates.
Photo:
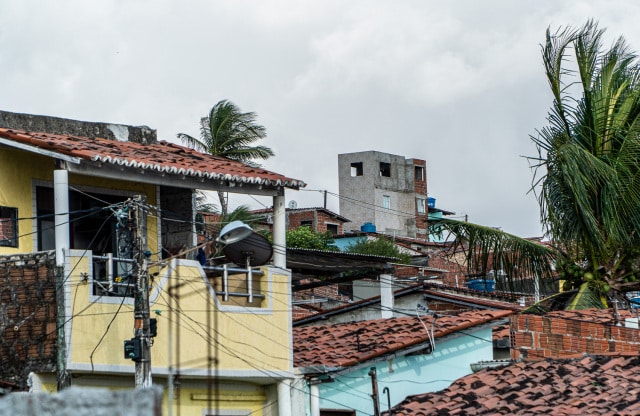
(76, 263)
(384, 193)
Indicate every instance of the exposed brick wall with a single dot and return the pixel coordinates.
(319, 220)
(438, 259)
(535, 337)
(27, 316)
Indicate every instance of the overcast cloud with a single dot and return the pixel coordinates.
(457, 83)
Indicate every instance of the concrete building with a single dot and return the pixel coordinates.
(92, 222)
(384, 193)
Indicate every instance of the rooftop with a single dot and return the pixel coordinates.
(103, 157)
(585, 386)
(348, 344)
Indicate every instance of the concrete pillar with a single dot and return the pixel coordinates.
(61, 207)
(284, 398)
(386, 296)
(279, 232)
(315, 399)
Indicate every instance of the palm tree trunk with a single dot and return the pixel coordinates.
(223, 203)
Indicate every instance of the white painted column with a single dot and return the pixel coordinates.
(279, 233)
(386, 296)
(61, 207)
(315, 399)
(284, 396)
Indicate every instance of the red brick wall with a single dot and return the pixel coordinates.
(6, 229)
(27, 316)
(319, 219)
(535, 337)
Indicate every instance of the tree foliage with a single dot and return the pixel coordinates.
(379, 246)
(305, 237)
(228, 132)
(586, 172)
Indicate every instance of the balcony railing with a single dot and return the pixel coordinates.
(113, 276)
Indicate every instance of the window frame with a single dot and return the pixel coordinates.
(386, 201)
(421, 205)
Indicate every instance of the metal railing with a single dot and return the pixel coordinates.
(115, 278)
(249, 273)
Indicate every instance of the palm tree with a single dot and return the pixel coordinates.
(586, 175)
(228, 132)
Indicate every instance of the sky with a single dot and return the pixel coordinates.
(459, 84)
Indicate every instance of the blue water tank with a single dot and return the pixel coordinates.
(368, 227)
(481, 284)
(431, 202)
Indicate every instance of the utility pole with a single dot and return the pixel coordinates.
(374, 391)
(142, 325)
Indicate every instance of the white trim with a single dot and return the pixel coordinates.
(262, 374)
(44, 152)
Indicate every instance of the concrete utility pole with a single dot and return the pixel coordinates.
(374, 391)
(142, 326)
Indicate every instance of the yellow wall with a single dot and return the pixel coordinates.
(248, 339)
(17, 171)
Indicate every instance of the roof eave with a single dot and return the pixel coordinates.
(97, 169)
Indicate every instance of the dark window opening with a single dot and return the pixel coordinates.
(332, 228)
(385, 169)
(356, 169)
(419, 173)
(93, 226)
(8, 227)
(306, 223)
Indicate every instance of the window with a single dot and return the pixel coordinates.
(419, 173)
(306, 223)
(356, 169)
(332, 228)
(385, 169)
(8, 227)
(386, 201)
(421, 205)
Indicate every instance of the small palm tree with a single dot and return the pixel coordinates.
(228, 132)
(588, 185)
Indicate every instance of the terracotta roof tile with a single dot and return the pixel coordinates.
(586, 386)
(163, 157)
(348, 344)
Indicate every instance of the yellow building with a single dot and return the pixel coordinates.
(75, 259)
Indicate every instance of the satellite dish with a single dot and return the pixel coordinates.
(254, 250)
(293, 204)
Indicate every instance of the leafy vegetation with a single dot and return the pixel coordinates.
(228, 132)
(586, 174)
(379, 246)
(305, 237)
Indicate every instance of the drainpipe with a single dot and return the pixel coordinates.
(386, 296)
(284, 398)
(61, 221)
(279, 233)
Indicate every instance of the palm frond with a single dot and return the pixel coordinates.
(484, 249)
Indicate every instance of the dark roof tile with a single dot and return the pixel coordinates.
(348, 344)
(164, 157)
(586, 386)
